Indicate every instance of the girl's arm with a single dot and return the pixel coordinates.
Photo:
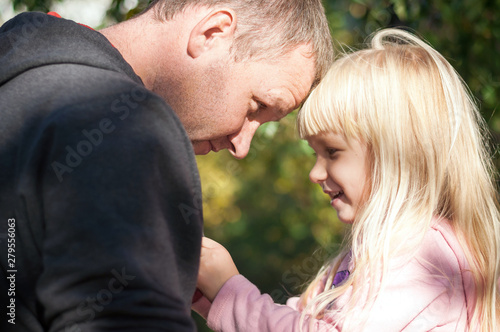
(431, 292)
(237, 304)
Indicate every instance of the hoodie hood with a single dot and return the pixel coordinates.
(23, 41)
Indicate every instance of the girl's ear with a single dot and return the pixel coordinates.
(213, 31)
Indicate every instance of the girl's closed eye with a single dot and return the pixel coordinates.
(331, 152)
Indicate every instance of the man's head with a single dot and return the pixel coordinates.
(247, 62)
(267, 29)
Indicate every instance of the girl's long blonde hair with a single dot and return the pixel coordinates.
(429, 157)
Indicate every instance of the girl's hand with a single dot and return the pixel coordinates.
(216, 267)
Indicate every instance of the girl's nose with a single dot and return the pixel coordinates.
(318, 172)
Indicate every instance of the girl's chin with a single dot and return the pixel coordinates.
(346, 213)
(341, 214)
(348, 221)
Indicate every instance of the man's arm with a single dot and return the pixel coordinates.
(122, 219)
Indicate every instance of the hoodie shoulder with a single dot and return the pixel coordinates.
(32, 40)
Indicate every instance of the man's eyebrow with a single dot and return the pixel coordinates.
(283, 107)
(282, 113)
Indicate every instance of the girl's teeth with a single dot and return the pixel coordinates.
(337, 194)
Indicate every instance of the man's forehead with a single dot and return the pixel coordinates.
(304, 74)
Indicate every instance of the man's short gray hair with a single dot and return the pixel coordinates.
(268, 29)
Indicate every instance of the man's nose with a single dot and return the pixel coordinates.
(241, 141)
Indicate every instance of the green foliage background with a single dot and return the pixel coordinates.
(276, 224)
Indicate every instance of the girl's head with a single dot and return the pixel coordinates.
(342, 170)
(407, 110)
(405, 102)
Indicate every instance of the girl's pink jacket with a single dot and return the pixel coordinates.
(432, 292)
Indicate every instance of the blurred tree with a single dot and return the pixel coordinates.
(263, 208)
(33, 5)
(120, 10)
(466, 32)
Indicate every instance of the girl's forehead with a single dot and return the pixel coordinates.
(335, 140)
(326, 138)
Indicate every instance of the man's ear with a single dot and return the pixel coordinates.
(218, 26)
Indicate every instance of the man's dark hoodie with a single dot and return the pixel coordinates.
(100, 213)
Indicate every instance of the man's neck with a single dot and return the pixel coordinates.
(156, 49)
(138, 42)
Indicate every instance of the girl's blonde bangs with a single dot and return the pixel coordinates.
(335, 105)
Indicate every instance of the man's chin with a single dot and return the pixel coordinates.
(202, 147)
